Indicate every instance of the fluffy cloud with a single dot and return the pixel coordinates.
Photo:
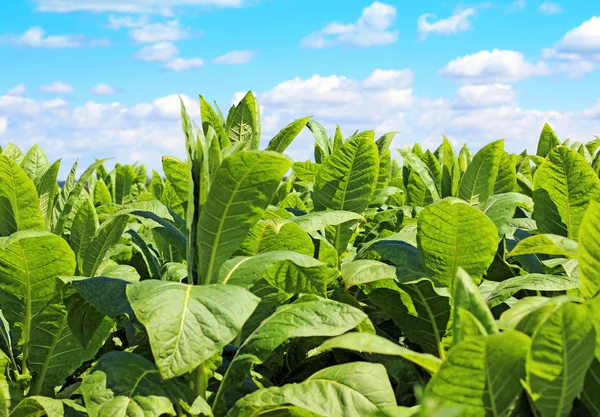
(57, 87)
(373, 27)
(497, 66)
(145, 131)
(103, 90)
(159, 52)
(235, 57)
(458, 22)
(118, 22)
(549, 8)
(17, 90)
(130, 6)
(182, 64)
(35, 37)
(160, 32)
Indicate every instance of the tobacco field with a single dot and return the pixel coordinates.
(367, 282)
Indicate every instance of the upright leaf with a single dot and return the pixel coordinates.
(243, 187)
(284, 138)
(478, 181)
(452, 234)
(548, 141)
(244, 124)
(562, 189)
(211, 118)
(589, 251)
(47, 189)
(35, 163)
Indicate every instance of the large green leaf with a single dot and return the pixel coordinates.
(506, 180)
(19, 203)
(306, 319)
(562, 189)
(284, 138)
(548, 141)
(264, 237)
(546, 244)
(124, 180)
(420, 310)
(289, 271)
(211, 118)
(423, 171)
(347, 179)
(47, 189)
(589, 251)
(452, 234)
(562, 349)
(126, 384)
(243, 187)
(319, 220)
(466, 295)
(349, 390)
(503, 290)
(477, 183)
(30, 262)
(450, 172)
(175, 194)
(482, 374)
(363, 271)
(98, 248)
(83, 230)
(188, 324)
(244, 124)
(501, 209)
(55, 352)
(365, 342)
(35, 163)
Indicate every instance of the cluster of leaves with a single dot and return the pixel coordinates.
(246, 284)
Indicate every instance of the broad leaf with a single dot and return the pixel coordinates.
(589, 251)
(477, 183)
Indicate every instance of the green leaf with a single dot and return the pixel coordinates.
(83, 230)
(13, 152)
(290, 271)
(349, 390)
(157, 185)
(467, 296)
(546, 244)
(562, 349)
(244, 124)
(47, 189)
(265, 237)
(478, 181)
(243, 187)
(29, 265)
(306, 171)
(419, 309)
(38, 406)
(450, 170)
(319, 220)
(284, 138)
(347, 179)
(506, 180)
(547, 142)
(421, 169)
(465, 157)
(501, 209)
(363, 271)
(35, 163)
(562, 189)
(126, 384)
(105, 238)
(175, 194)
(322, 145)
(211, 118)
(589, 251)
(365, 342)
(591, 387)
(73, 196)
(19, 203)
(452, 234)
(535, 282)
(124, 180)
(55, 352)
(305, 319)
(482, 374)
(188, 324)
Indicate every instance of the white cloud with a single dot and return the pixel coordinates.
(118, 22)
(3, 124)
(129, 6)
(578, 52)
(182, 64)
(159, 52)
(17, 90)
(145, 131)
(549, 8)
(235, 57)
(35, 37)
(497, 66)
(517, 5)
(160, 32)
(482, 96)
(373, 27)
(57, 87)
(458, 22)
(103, 89)
(381, 78)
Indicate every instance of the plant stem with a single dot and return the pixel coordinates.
(200, 381)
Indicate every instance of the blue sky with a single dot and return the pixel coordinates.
(99, 78)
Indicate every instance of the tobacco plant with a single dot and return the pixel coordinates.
(368, 281)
